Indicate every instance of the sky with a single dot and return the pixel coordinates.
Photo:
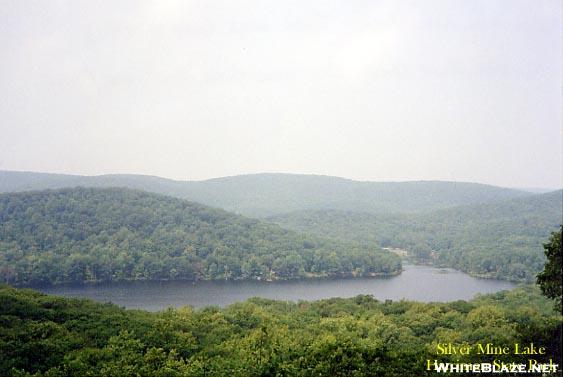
(388, 90)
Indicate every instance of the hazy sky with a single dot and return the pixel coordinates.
(461, 90)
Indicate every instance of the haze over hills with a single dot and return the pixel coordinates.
(441, 93)
(93, 234)
(481, 229)
(502, 239)
(261, 195)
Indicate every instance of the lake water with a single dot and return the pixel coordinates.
(419, 283)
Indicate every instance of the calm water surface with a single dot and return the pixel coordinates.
(419, 283)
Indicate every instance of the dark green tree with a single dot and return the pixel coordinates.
(551, 279)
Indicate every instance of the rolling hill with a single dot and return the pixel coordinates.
(261, 195)
(501, 240)
(92, 234)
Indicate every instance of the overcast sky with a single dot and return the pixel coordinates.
(460, 90)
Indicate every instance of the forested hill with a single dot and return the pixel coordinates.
(260, 195)
(502, 240)
(88, 234)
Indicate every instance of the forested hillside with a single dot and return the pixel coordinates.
(259, 195)
(53, 336)
(87, 234)
(500, 240)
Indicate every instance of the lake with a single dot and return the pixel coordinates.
(419, 283)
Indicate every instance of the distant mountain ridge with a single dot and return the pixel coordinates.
(267, 194)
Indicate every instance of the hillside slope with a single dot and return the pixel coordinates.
(88, 234)
(502, 240)
(260, 195)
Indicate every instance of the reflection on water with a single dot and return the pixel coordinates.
(419, 283)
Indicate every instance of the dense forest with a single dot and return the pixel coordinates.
(500, 240)
(48, 336)
(87, 234)
(259, 195)
(51, 336)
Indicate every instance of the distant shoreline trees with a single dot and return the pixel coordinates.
(500, 240)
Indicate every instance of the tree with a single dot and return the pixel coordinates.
(551, 278)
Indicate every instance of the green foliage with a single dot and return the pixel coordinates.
(551, 278)
(498, 240)
(86, 234)
(49, 336)
(260, 195)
